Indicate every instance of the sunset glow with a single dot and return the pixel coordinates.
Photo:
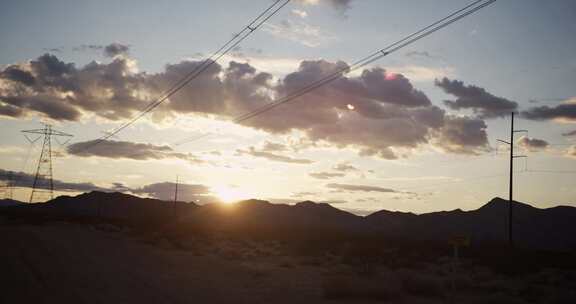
(230, 195)
(423, 112)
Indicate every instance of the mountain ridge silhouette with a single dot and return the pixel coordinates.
(534, 227)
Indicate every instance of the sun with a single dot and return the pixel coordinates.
(229, 195)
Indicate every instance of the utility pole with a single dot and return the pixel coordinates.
(43, 185)
(175, 196)
(511, 186)
(10, 186)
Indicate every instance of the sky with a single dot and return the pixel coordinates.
(415, 131)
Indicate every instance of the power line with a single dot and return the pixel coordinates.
(217, 55)
(422, 33)
(20, 177)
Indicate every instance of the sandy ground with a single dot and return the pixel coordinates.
(64, 263)
(70, 263)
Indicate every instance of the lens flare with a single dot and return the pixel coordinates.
(391, 76)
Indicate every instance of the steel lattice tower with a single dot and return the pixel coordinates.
(43, 186)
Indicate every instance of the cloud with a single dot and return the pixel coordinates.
(389, 117)
(341, 5)
(116, 49)
(344, 167)
(562, 112)
(549, 99)
(301, 32)
(273, 157)
(163, 191)
(113, 90)
(388, 110)
(274, 147)
(110, 50)
(186, 192)
(88, 47)
(25, 180)
(326, 175)
(11, 111)
(273, 65)
(569, 133)
(125, 149)
(304, 194)
(463, 135)
(54, 50)
(571, 152)
(62, 92)
(474, 98)
(420, 54)
(419, 73)
(14, 73)
(299, 13)
(361, 188)
(532, 144)
(53, 107)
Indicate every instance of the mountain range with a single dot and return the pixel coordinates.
(550, 228)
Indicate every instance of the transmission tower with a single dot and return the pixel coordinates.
(43, 186)
(511, 185)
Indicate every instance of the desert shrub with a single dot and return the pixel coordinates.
(256, 271)
(165, 243)
(482, 274)
(552, 276)
(186, 244)
(497, 298)
(249, 254)
(564, 297)
(313, 247)
(339, 269)
(355, 287)
(497, 286)
(536, 293)
(264, 250)
(229, 253)
(421, 284)
(461, 281)
(286, 262)
(311, 261)
(108, 227)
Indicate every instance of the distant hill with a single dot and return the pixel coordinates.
(109, 205)
(262, 217)
(9, 203)
(533, 227)
(551, 228)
